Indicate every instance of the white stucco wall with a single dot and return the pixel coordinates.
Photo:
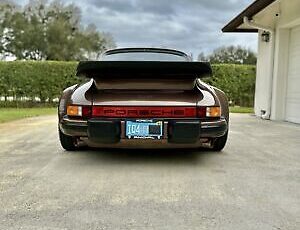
(273, 57)
(263, 76)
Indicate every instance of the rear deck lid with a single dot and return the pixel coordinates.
(151, 75)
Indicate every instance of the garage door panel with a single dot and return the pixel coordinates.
(293, 112)
(294, 92)
(293, 73)
(293, 82)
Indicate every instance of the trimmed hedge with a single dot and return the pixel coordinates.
(46, 80)
(237, 81)
(31, 79)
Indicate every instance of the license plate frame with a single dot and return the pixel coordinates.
(144, 129)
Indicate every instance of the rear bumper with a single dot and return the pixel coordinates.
(111, 132)
(71, 127)
(214, 128)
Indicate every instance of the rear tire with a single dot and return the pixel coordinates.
(67, 142)
(220, 142)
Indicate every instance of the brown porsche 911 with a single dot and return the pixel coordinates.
(143, 98)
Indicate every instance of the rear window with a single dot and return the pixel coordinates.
(143, 56)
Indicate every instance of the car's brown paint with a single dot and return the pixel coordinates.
(144, 84)
(144, 92)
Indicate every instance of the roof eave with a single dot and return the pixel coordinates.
(238, 30)
(250, 11)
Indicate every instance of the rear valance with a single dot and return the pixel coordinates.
(143, 69)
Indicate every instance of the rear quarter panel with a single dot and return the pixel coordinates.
(76, 94)
(223, 103)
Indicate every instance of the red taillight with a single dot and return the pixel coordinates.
(86, 111)
(201, 112)
(144, 112)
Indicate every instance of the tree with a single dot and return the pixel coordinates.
(231, 55)
(202, 57)
(48, 31)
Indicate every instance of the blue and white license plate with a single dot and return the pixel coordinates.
(144, 129)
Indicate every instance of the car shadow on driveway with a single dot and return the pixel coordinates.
(144, 156)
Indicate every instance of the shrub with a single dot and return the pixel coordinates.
(46, 80)
(31, 79)
(237, 81)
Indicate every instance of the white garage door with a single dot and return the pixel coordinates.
(293, 84)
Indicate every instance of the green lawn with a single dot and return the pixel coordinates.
(238, 109)
(11, 114)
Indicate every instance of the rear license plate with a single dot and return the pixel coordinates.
(144, 129)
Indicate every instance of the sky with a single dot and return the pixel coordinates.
(192, 26)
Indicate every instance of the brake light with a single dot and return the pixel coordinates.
(144, 112)
(201, 112)
(79, 111)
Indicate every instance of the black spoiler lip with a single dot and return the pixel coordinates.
(108, 69)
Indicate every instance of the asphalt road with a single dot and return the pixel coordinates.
(253, 184)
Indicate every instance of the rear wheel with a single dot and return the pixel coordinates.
(220, 142)
(67, 142)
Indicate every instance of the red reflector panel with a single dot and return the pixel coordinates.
(144, 112)
(86, 111)
(201, 112)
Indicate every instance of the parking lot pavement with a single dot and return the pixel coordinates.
(253, 184)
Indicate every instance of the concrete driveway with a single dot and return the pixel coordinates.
(253, 184)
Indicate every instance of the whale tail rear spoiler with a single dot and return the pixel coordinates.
(143, 70)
